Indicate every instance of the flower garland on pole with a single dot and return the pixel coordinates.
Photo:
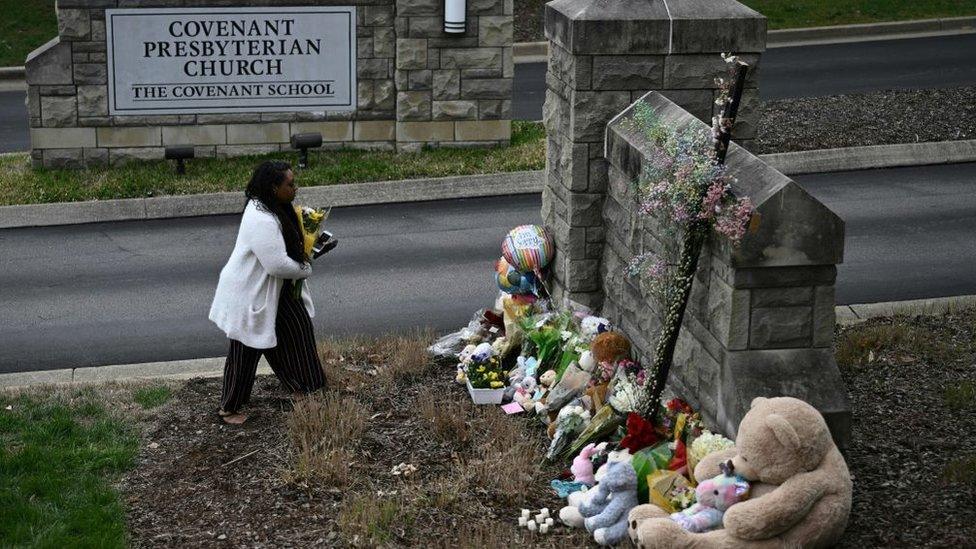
(685, 180)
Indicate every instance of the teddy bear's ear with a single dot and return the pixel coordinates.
(756, 401)
(783, 431)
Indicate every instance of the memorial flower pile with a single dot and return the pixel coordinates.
(577, 374)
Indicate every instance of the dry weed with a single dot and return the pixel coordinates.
(862, 344)
(406, 360)
(505, 456)
(444, 491)
(448, 418)
(366, 521)
(491, 535)
(323, 431)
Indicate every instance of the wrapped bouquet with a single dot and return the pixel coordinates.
(310, 221)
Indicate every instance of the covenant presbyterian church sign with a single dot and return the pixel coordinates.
(220, 60)
(125, 79)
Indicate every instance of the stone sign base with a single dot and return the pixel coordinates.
(416, 86)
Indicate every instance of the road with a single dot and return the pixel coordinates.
(132, 292)
(813, 71)
(804, 71)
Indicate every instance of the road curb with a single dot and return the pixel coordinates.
(352, 194)
(853, 314)
(874, 156)
(943, 26)
(537, 52)
(12, 73)
(847, 315)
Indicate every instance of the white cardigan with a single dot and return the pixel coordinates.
(246, 301)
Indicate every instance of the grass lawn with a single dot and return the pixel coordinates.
(60, 452)
(788, 14)
(19, 184)
(25, 25)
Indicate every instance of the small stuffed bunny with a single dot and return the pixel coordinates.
(582, 467)
(715, 496)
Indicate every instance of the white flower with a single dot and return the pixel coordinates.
(708, 443)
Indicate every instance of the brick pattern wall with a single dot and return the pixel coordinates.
(754, 326)
(760, 318)
(453, 90)
(462, 100)
(602, 57)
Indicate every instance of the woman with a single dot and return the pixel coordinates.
(254, 303)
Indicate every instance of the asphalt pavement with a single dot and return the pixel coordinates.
(13, 122)
(128, 292)
(830, 69)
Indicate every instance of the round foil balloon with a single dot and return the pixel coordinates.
(528, 248)
(511, 281)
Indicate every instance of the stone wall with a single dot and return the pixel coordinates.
(454, 88)
(761, 317)
(416, 86)
(602, 56)
(760, 320)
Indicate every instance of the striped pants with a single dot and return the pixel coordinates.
(295, 361)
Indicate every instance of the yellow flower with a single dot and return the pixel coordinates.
(497, 384)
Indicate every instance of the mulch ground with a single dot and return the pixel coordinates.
(913, 460)
(878, 118)
(185, 490)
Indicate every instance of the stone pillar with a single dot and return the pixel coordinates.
(453, 89)
(603, 56)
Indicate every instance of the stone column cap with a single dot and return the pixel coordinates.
(649, 27)
(794, 228)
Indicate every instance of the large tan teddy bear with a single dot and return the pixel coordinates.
(801, 488)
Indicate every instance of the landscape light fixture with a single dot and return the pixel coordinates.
(304, 142)
(454, 16)
(179, 153)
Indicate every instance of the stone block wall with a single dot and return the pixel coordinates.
(760, 320)
(416, 86)
(454, 90)
(602, 56)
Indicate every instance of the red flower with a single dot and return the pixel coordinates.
(678, 405)
(640, 433)
(680, 458)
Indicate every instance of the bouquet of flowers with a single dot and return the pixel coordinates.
(570, 422)
(310, 221)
